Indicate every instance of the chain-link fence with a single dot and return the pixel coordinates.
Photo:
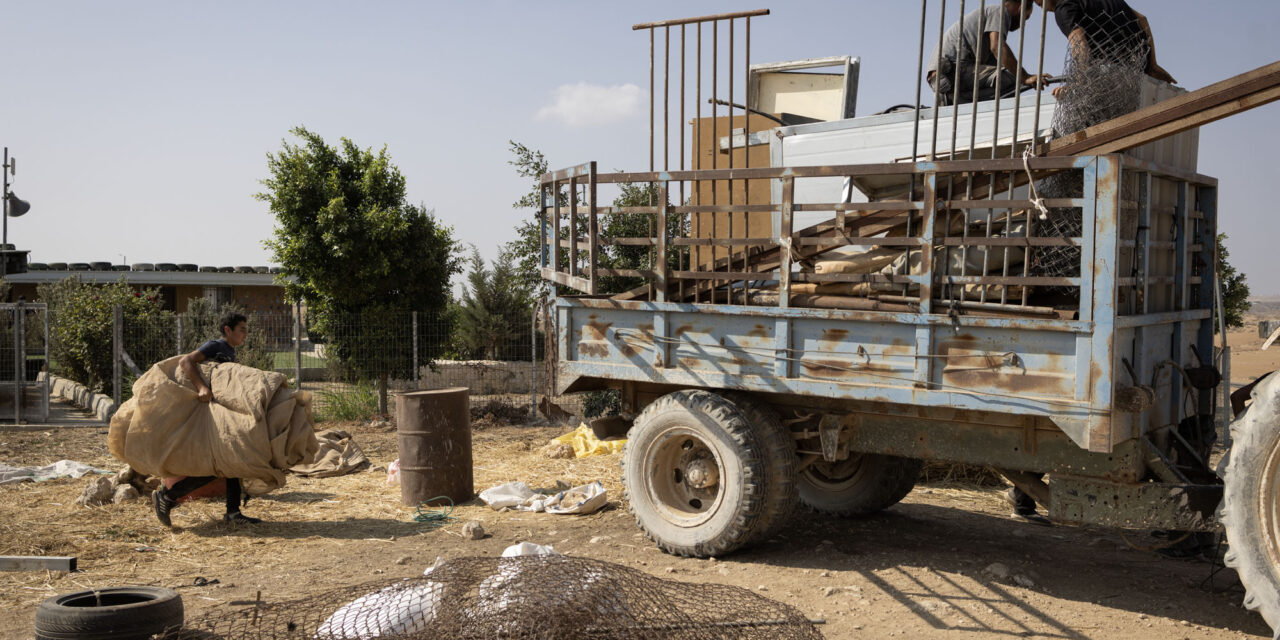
(353, 363)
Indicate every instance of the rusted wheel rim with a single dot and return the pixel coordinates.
(685, 485)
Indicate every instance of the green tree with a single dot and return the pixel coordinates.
(493, 315)
(361, 256)
(81, 322)
(1235, 291)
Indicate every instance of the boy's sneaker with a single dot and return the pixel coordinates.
(236, 517)
(162, 505)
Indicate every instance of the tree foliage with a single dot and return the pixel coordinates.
(1235, 291)
(493, 315)
(81, 317)
(346, 233)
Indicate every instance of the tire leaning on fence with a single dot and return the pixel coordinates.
(1251, 501)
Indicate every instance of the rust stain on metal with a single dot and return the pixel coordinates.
(844, 368)
(593, 348)
(833, 335)
(690, 363)
(683, 329)
(596, 330)
(760, 331)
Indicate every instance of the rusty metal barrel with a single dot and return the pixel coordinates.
(434, 438)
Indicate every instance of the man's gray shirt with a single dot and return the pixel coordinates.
(961, 48)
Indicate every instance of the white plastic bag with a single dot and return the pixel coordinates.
(393, 473)
(581, 500)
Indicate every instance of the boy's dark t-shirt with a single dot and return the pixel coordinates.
(218, 351)
(1111, 27)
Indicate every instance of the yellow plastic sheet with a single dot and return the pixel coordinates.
(585, 443)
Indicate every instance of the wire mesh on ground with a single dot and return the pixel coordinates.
(528, 597)
(1103, 81)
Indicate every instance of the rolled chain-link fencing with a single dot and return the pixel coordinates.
(530, 598)
(1104, 76)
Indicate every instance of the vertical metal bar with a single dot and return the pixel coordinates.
(683, 259)
(915, 131)
(785, 240)
(555, 228)
(48, 371)
(573, 226)
(924, 331)
(746, 155)
(593, 231)
(1035, 124)
(715, 148)
(955, 100)
(416, 369)
(177, 331)
(652, 62)
(19, 365)
(533, 358)
(729, 255)
(117, 347)
(1182, 262)
(937, 108)
(1145, 228)
(666, 98)
(661, 268)
(696, 252)
(297, 342)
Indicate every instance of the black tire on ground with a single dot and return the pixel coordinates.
(859, 486)
(115, 613)
(779, 462)
(695, 476)
(1251, 501)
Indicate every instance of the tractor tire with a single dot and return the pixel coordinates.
(115, 613)
(1251, 501)
(698, 477)
(780, 464)
(858, 486)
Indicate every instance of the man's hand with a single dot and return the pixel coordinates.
(204, 394)
(1041, 79)
(1057, 91)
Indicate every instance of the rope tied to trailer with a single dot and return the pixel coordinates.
(1031, 184)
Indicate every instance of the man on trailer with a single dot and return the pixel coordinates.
(976, 47)
(1108, 31)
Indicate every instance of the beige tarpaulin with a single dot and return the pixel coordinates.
(254, 429)
(338, 455)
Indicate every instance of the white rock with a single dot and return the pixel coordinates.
(124, 493)
(473, 531)
(99, 491)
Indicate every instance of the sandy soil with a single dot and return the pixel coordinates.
(917, 570)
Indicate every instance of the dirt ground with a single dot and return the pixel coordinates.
(922, 569)
(917, 570)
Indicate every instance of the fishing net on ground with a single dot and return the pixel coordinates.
(1103, 81)
(528, 597)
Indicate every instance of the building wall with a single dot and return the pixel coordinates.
(177, 298)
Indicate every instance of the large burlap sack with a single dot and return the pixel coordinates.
(254, 429)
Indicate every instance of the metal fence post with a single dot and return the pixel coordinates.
(177, 323)
(415, 348)
(19, 365)
(117, 347)
(533, 352)
(297, 342)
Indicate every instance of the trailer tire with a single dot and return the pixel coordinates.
(779, 462)
(859, 486)
(114, 613)
(695, 477)
(1251, 501)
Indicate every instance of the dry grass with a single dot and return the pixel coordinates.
(124, 544)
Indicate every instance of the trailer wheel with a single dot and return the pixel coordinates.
(860, 485)
(1251, 501)
(695, 475)
(779, 462)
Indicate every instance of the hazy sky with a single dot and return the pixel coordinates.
(141, 128)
